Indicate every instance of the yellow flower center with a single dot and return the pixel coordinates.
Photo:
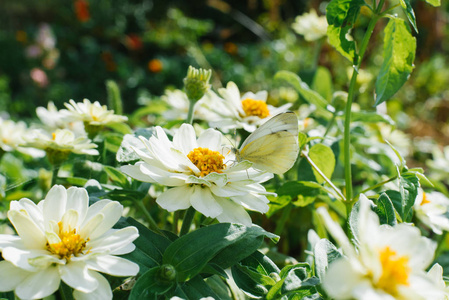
(425, 200)
(71, 244)
(395, 271)
(206, 160)
(256, 108)
(53, 136)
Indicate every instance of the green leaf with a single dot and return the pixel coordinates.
(343, 12)
(117, 177)
(322, 83)
(399, 54)
(396, 199)
(341, 16)
(149, 245)
(371, 117)
(339, 40)
(434, 2)
(277, 203)
(305, 191)
(408, 187)
(324, 253)
(194, 289)
(302, 139)
(253, 273)
(324, 159)
(408, 10)
(190, 253)
(149, 285)
(385, 210)
(303, 89)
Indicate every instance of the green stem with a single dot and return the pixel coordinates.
(190, 113)
(65, 291)
(151, 223)
(379, 184)
(441, 244)
(315, 167)
(187, 221)
(54, 176)
(284, 217)
(347, 125)
(175, 221)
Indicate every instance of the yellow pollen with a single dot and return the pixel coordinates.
(256, 108)
(425, 200)
(71, 244)
(53, 136)
(206, 160)
(395, 271)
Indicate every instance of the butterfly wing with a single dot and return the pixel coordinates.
(273, 147)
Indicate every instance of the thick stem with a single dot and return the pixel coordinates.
(187, 221)
(347, 125)
(65, 291)
(54, 176)
(190, 113)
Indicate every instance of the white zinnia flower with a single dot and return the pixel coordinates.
(54, 119)
(61, 140)
(247, 111)
(11, 134)
(202, 174)
(61, 238)
(310, 26)
(389, 262)
(93, 114)
(433, 210)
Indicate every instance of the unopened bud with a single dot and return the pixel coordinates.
(196, 83)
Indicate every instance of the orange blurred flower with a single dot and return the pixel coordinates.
(133, 42)
(155, 65)
(231, 48)
(82, 10)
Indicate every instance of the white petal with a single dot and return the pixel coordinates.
(113, 265)
(203, 201)
(175, 198)
(22, 258)
(185, 139)
(161, 176)
(33, 211)
(91, 225)
(77, 276)
(8, 240)
(233, 213)
(253, 202)
(124, 250)
(55, 203)
(210, 139)
(118, 239)
(112, 213)
(103, 291)
(94, 210)
(11, 276)
(136, 173)
(78, 199)
(69, 220)
(32, 236)
(340, 279)
(39, 285)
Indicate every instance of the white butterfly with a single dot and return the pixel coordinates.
(273, 147)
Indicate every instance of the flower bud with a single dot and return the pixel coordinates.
(196, 83)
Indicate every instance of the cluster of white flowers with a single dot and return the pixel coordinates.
(310, 26)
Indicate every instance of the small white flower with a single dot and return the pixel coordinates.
(11, 134)
(54, 119)
(439, 164)
(388, 263)
(201, 173)
(61, 238)
(432, 209)
(310, 26)
(247, 111)
(93, 114)
(61, 140)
